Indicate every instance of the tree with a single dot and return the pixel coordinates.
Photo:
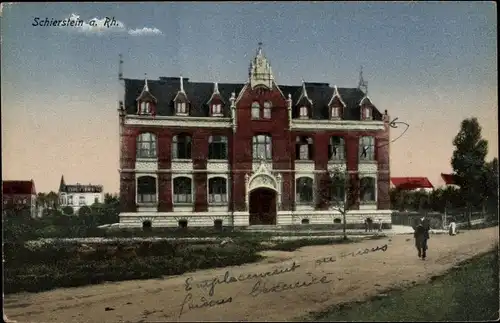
(68, 210)
(468, 162)
(490, 186)
(336, 191)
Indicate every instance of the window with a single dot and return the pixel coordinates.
(262, 147)
(182, 190)
(366, 148)
(218, 225)
(70, 199)
(305, 221)
(304, 190)
(367, 189)
(146, 145)
(337, 188)
(217, 147)
(267, 110)
(303, 113)
(81, 200)
(304, 148)
(96, 199)
(181, 108)
(217, 190)
(183, 224)
(255, 110)
(146, 225)
(144, 108)
(216, 109)
(335, 112)
(337, 220)
(336, 149)
(367, 113)
(181, 146)
(146, 189)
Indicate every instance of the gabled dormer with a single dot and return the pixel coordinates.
(146, 102)
(366, 108)
(304, 104)
(215, 103)
(336, 105)
(181, 102)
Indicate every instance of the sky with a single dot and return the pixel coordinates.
(431, 64)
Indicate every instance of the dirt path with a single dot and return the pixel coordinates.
(292, 291)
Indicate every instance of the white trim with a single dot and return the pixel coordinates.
(352, 125)
(303, 94)
(365, 98)
(146, 164)
(336, 94)
(193, 195)
(240, 95)
(178, 122)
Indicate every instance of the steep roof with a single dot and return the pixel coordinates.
(166, 88)
(411, 183)
(449, 179)
(18, 187)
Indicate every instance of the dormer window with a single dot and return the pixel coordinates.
(303, 112)
(144, 108)
(181, 108)
(217, 110)
(335, 112)
(267, 110)
(367, 113)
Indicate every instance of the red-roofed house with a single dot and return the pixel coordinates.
(449, 179)
(411, 183)
(22, 193)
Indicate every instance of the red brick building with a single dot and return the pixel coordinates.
(20, 194)
(200, 154)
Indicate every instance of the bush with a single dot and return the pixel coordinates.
(63, 264)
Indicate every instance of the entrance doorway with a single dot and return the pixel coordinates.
(262, 206)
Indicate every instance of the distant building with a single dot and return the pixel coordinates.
(20, 193)
(411, 183)
(78, 195)
(449, 179)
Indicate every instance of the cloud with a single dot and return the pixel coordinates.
(145, 31)
(106, 25)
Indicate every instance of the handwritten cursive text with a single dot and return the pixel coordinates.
(229, 278)
(203, 303)
(325, 260)
(261, 288)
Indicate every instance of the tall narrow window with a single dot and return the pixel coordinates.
(181, 146)
(146, 145)
(182, 190)
(81, 200)
(217, 190)
(181, 108)
(335, 112)
(367, 113)
(336, 149)
(304, 190)
(367, 189)
(217, 147)
(366, 148)
(255, 110)
(217, 110)
(337, 189)
(146, 189)
(267, 110)
(262, 147)
(304, 148)
(144, 108)
(303, 112)
(70, 199)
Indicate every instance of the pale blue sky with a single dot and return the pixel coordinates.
(430, 64)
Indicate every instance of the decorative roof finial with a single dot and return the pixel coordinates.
(146, 87)
(362, 85)
(120, 67)
(216, 87)
(259, 50)
(182, 84)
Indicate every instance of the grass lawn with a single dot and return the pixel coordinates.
(467, 293)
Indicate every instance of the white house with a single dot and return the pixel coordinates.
(78, 195)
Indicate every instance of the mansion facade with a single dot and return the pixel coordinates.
(205, 154)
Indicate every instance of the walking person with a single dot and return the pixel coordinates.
(370, 224)
(366, 225)
(379, 225)
(421, 236)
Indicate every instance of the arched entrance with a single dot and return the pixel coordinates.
(262, 206)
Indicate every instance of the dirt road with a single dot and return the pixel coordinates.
(293, 284)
